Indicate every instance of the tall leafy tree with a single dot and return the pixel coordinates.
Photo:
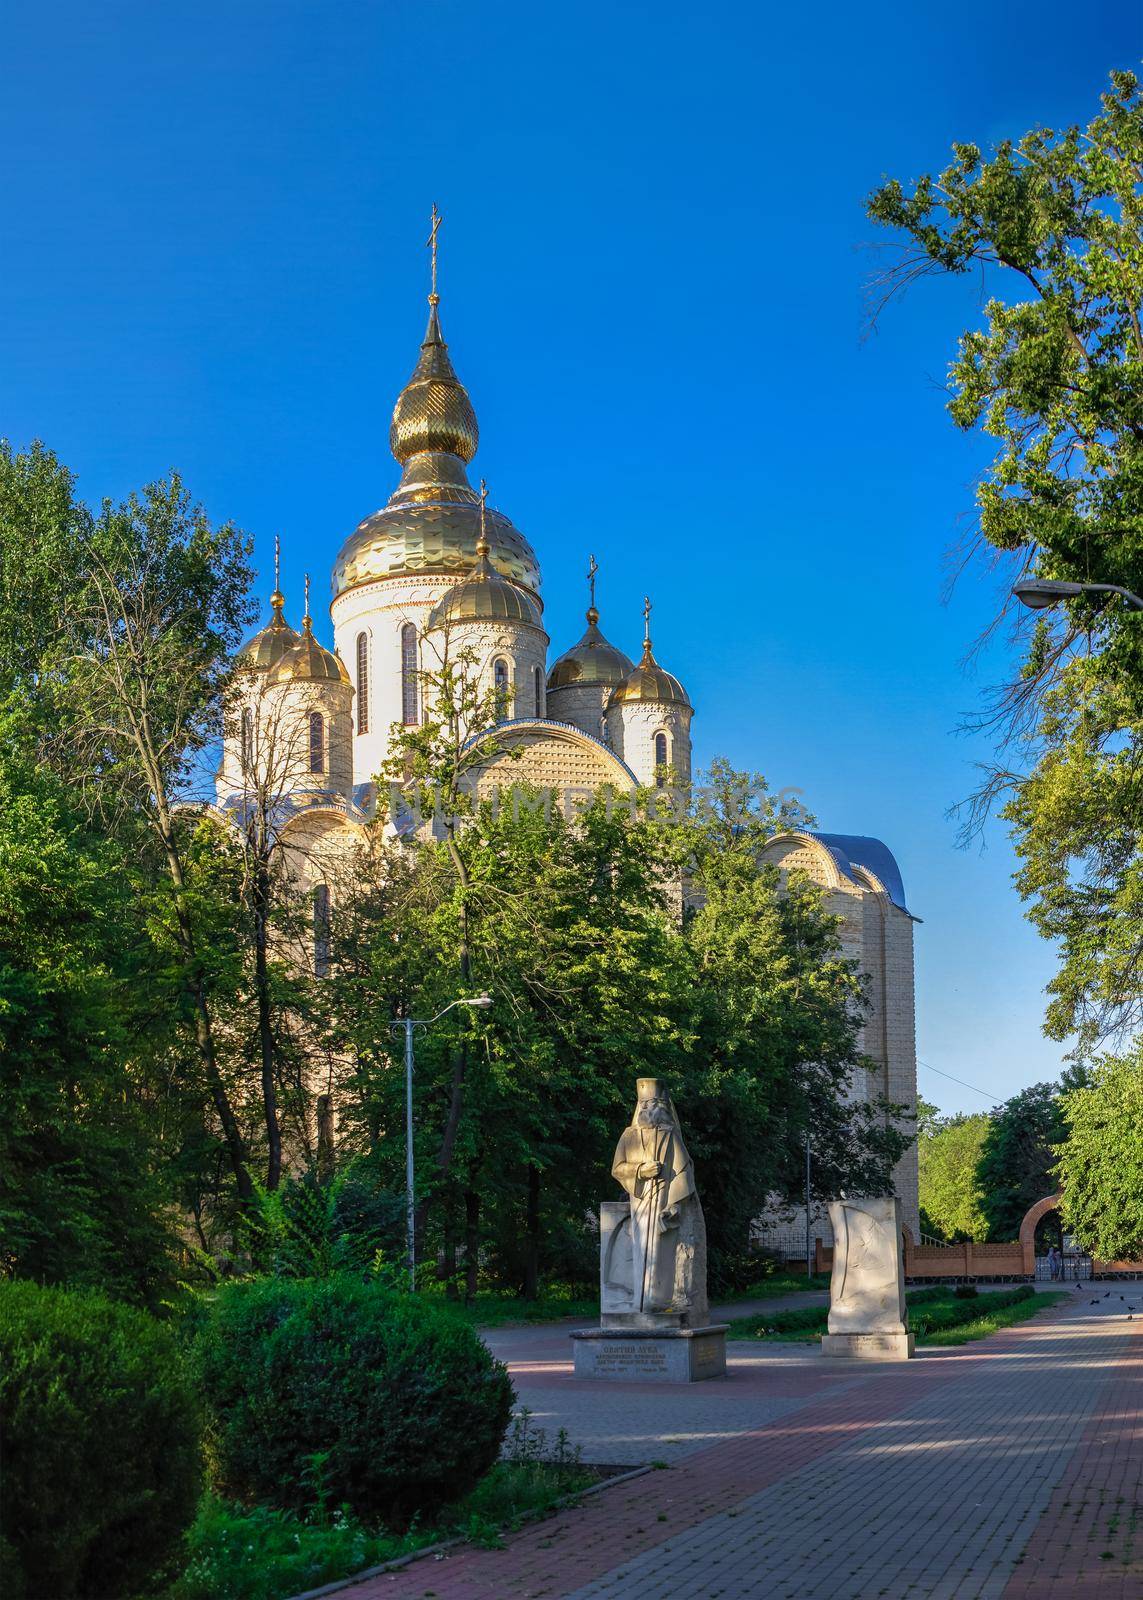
(153, 627)
(1052, 226)
(1018, 1156)
(948, 1162)
(1100, 1167)
(82, 1199)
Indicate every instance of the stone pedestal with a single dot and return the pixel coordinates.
(651, 1355)
(869, 1346)
(868, 1319)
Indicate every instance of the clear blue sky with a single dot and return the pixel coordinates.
(652, 264)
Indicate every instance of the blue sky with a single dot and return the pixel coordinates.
(652, 268)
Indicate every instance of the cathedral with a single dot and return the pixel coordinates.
(438, 568)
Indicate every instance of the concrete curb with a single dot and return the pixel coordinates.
(451, 1544)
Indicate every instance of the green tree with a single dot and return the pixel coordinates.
(948, 1160)
(81, 1199)
(1100, 1165)
(1053, 226)
(573, 925)
(1018, 1157)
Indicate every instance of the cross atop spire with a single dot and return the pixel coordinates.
(483, 547)
(592, 569)
(307, 619)
(277, 599)
(646, 622)
(431, 243)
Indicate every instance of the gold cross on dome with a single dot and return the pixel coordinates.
(431, 242)
(592, 569)
(646, 619)
(482, 547)
(307, 597)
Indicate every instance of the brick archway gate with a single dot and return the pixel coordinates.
(1032, 1218)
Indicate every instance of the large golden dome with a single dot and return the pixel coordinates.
(431, 523)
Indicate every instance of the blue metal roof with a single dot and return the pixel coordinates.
(851, 850)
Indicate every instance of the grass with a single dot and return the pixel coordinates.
(936, 1315)
(501, 1308)
(782, 1283)
(496, 1309)
(256, 1553)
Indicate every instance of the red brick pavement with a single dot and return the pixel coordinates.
(1089, 1542)
(565, 1552)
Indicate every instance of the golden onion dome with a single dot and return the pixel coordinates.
(433, 411)
(307, 661)
(431, 523)
(266, 648)
(591, 661)
(649, 684)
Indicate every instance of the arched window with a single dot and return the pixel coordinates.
(538, 691)
(500, 684)
(247, 737)
(321, 930)
(409, 709)
(317, 742)
(362, 683)
(660, 759)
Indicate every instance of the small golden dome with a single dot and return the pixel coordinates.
(650, 684)
(266, 648)
(591, 661)
(433, 411)
(307, 661)
(486, 596)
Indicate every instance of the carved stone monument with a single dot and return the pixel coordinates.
(654, 1317)
(867, 1313)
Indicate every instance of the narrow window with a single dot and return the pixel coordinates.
(317, 742)
(500, 684)
(660, 759)
(247, 737)
(362, 683)
(538, 686)
(409, 709)
(321, 930)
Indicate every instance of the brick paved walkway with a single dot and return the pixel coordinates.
(1010, 1468)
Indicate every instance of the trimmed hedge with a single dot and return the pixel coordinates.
(335, 1391)
(102, 1457)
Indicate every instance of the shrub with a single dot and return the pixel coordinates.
(337, 1391)
(966, 1291)
(736, 1272)
(101, 1437)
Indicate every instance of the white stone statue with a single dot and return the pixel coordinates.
(867, 1313)
(653, 1246)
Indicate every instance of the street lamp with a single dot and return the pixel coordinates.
(406, 1025)
(1038, 594)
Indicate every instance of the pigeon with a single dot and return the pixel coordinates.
(1107, 1296)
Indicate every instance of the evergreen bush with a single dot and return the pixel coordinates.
(336, 1391)
(102, 1459)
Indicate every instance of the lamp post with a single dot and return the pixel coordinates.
(406, 1026)
(1038, 594)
